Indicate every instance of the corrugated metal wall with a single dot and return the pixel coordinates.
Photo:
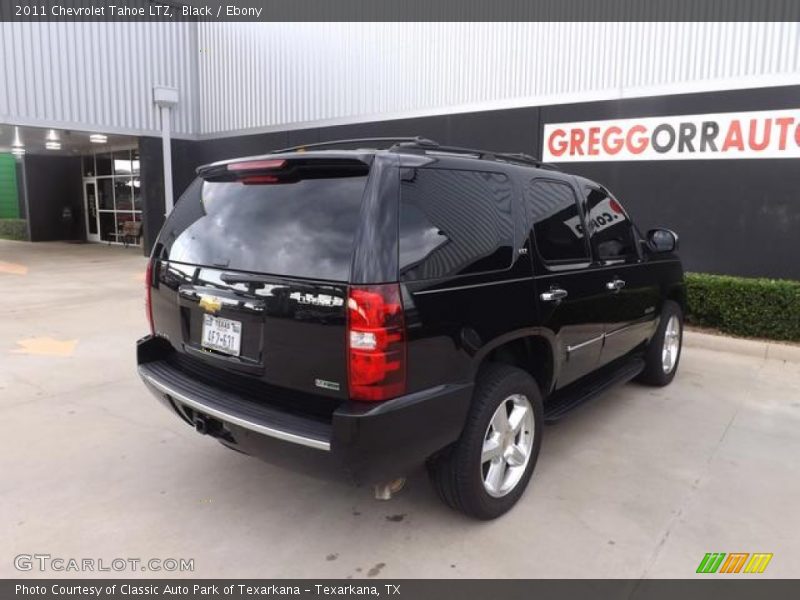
(242, 76)
(97, 75)
(272, 74)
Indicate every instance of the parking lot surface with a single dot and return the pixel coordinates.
(640, 483)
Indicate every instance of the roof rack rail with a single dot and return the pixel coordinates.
(421, 144)
(527, 159)
(416, 141)
(519, 157)
(413, 145)
(549, 166)
(512, 157)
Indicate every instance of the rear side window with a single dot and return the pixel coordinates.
(557, 227)
(302, 228)
(454, 223)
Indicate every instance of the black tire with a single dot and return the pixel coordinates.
(654, 373)
(458, 472)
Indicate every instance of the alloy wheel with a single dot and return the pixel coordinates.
(672, 343)
(507, 445)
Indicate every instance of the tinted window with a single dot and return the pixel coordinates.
(303, 229)
(454, 223)
(553, 209)
(609, 227)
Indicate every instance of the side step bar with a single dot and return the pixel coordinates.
(573, 396)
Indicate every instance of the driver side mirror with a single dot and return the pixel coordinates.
(662, 240)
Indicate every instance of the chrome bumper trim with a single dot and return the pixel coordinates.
(286, 436)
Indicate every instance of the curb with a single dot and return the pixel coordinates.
(755, 348)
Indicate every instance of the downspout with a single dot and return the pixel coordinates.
(165, 98)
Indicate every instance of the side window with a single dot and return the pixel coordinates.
(558, 232)
(610, 230)
(454, 223)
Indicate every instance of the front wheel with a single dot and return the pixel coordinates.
(487, 470)
(664, 351)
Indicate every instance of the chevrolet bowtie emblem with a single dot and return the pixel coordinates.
(210, 304)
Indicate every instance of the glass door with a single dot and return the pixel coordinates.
(90, 210)
(112, 193)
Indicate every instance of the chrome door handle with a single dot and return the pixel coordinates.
(615, 285)
(553, 295)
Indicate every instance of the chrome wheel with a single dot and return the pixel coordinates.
(672, 344)
(507, 445)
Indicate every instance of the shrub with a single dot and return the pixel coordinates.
(13, 229)
(767, 308)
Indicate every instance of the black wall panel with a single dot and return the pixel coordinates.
(737, 217)
(151, 167)
(185, 159)
(513, 130)
(52, 184)
(208, 151)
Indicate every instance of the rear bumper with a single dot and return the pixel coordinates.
(368, 443)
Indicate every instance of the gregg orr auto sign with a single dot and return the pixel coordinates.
(760, 134)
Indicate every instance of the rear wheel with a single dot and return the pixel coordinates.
(488, 469)
(664, 351)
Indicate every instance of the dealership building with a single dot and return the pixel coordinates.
(694, 126)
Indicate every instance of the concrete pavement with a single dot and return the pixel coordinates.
(641, 483)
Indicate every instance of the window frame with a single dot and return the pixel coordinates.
(567, 264)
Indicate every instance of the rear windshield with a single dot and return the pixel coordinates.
(301, 229)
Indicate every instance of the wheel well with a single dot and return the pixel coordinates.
(678, 295)
(531, 354)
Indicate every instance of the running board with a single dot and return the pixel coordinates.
(579, 393)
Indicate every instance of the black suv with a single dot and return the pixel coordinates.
(410, 304)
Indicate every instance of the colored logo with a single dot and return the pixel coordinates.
(735, 562)
(210, 304)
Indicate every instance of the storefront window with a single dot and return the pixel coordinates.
(137, 194)
(122, 162)
(115, 177)
(135, 160)
(103, 164)
(88, 166)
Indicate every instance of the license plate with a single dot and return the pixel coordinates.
(222, 335)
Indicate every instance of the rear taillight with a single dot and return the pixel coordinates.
(256, 165)
(148, 302)
(259, 179)
(376, 340)
(259, 172)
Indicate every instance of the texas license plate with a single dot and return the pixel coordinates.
(222, 335)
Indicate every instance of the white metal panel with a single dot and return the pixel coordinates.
(251, 76)
(97, 75)
(265, 75)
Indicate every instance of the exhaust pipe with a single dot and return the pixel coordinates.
(201, 424)
(385, 491)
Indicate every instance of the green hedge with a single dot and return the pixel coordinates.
(13, 229)
(765, 308)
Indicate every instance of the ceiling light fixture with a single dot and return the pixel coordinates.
(18, 151)
(98, 138)
(52, 136)
(53, 145)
